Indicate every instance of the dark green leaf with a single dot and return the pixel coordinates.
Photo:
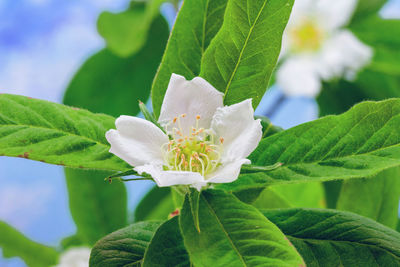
(194, 199)
(125, 247)
(55, 134)
(157, 204)
(267, 127)
(359, 143)
(197, 23)
(367, 8)
(97, 207)
(335, 238)
(376, 198)
(15, 244)
(240, 59)
(127, 32)
(109, 84)
(166, 247)
(233, 234)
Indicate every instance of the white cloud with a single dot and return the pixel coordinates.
(21, 205)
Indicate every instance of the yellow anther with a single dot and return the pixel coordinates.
(198, 117)
(174, 120)
(183, 115)
(221, 140)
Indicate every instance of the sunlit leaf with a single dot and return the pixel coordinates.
(197, 23)
(240, 59)
(233, 234)
(359, 143)
(56, 134)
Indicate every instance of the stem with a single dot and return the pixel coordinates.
(275, 107)
(254, 168)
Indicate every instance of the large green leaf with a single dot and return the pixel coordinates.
(97, 207)
(125, 247)
(366, 8)
(197, 23)
(334, 238)
(240, 59)
(157, 204)
(109, 84)
(233, 234)
(166, 247)
(15, 244)
(378, 32)
(55, 134)
(127, 32)
(376, 198)
(359, 143)
(304, 195)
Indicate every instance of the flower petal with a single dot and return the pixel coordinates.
(343, 55)
(228, 172)
(169, 178)
(136, 141)
(236, 125)
(334, 14)
(195, 97)
(298, 76)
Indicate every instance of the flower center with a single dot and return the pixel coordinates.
(200, 152)
(306, 37)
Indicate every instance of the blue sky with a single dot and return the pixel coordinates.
(42, 43)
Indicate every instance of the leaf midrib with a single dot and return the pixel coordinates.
(225, 232)
(344, 241)
(243, 48)
(56, 130)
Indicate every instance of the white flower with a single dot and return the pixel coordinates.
(316, 47)
(206, 142)
(75, 257)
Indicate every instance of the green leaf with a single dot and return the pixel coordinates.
(109, 84)
(306, 195)
(269, 199)
(359, 143)
(378, 32)
(157, 204)
(376, 198)
(335, 238)
(15, 244)
(55, 134)
(97, 207)
(233, 234)
(197, 23)
(125, 247)
(367, 8)
(194, 199)
(240, 59)
(268, 128)
(127, 32)
(166, 247)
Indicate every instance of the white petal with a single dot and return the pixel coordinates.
(169, 178)
(228, 172)
(334, 14)
(136, 141)
(195, 97)
(236, 125)
(298, 76)
(343, 55)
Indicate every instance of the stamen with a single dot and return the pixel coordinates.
(174, 120)
(221, 140)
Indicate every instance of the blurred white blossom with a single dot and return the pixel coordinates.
(75, 257)
(317, 47)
